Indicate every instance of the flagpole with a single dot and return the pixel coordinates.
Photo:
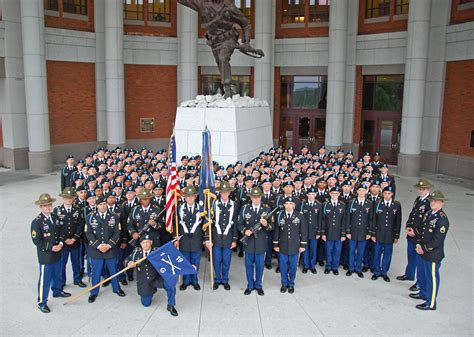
(210, 240)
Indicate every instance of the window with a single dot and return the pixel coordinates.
(211, 84)
(133, 10)
(303, 92)
(293, 11)
(75, 6)
(401, 7)
(377, 8)
(159, 10)
(461, 2)
(319, 11)
(383, 93)
(51, 5)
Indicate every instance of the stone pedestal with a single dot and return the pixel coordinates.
(236, 133)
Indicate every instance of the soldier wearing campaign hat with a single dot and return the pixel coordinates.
(386, 232)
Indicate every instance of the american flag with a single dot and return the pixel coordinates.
(172, 186)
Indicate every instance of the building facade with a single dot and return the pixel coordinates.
(392, 76)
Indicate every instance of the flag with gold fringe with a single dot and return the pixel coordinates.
(207, 191)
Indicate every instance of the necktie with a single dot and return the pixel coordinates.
(146, 254)
(255, 210)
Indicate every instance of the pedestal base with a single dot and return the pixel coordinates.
(236, 133)
(409, 165)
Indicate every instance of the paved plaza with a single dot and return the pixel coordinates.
(321, 305)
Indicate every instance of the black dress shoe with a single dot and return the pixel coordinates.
(305, 270)
(416, 296)
(349, 273)
(414, 287)
(130, 278)
(226, 286)
(268, 266)
(124, 282)
(335, 272)
(326, 271)
(247, 291)
(121, 293)
(44, 309)
(386, 278)
(314, 271)
(172, 310)
(241, 254)
(92, 298)
(62, 294)
(277, 270)
(215, 286)
(360, 274)
(371, 270)
(374, 277)
(283, 289)
(403, 278)
(196, 286)
(183, 287)
(291, 290)
(80, 284)
(260, 292)
(321, 263)
(425, 306)
(364, 270)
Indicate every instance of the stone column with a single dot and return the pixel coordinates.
(264, 14)
(409, 158)
(14, 124)
(336, 73)
(187, 53)
(100, 91)
(114, 73)
(36, 90)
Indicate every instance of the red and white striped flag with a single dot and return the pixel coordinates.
(172, 187)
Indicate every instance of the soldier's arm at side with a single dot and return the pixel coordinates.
(90, 236)
(303, 232)
(37, 237)
(80, 225)
(398, 223)
(116, 233)
(439, 234)
(276, 231)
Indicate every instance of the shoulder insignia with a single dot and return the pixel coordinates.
(33, 234)
(442, 230)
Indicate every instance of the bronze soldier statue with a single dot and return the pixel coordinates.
(222, 17)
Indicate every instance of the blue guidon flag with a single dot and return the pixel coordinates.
(170, 263)
(207, 190)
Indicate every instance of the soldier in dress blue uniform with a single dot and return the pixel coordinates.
(251, 215)
(148, 279)
(312, 210)
(386, 232)
(144, 219)
(346, 196)
(268, 199)
(67, 173)
(333, 229)
(71, 224)
(414, 227)
(224, 235)
(190, 228)
(289, 240)
(103, 234)
(374, 196)
(431, 249)
(45, 233)
(359, 224)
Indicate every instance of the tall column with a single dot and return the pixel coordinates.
(409, 158)
(263, 88)
(114, 73)
(187, 51)
(352, 26)
(100, 91)
(14, 125)
(36, 90)
(336, 73)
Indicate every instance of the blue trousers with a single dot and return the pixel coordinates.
(122, 255)
(269, 251)
(76, 270)
(288, 266)
(333, 253)
(431, 281)
(309, 255)
(356, 253)
(369, 254)
(254, 264)
(411, 260)
(321, 256)
(97, 266)
(170, 294)
(345, 253)
(49, 277)
(382, 258)
(195, 259)
(420, 278)
(221, 258)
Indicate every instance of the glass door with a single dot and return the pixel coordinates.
(389, 140)
(304, 132)
(286, 131)
(369, 142)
